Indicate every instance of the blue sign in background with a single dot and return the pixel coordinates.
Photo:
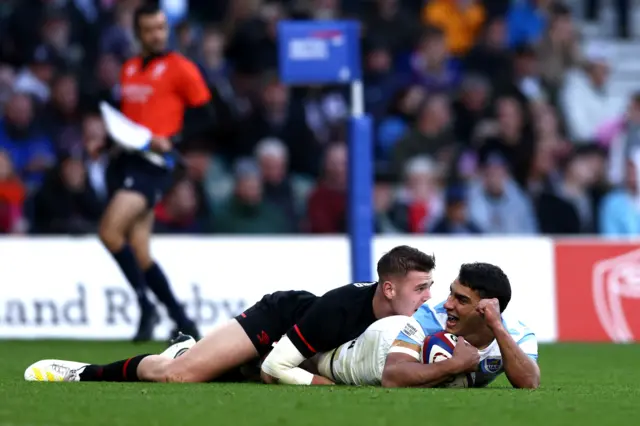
(319, 52)
(328, 52)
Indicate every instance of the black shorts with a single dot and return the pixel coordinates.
(270, 318)
(132, 172)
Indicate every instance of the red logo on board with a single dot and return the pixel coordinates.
(598, 291)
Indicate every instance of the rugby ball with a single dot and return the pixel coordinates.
(439, 347)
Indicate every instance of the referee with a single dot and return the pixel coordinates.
(156, 89)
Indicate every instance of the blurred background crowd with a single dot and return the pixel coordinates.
(491, 117)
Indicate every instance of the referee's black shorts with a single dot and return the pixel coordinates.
(270, 318)
(132, 172)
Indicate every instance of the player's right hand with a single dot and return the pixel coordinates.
(466, 356)
(161, 144)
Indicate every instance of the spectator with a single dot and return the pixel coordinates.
(277, 117)
(403, 110)
(247, 212)
(527, 84)
(35, 78)
(7, 78)
(431, 65)
(496, 203)
(177, 213)
(66, 204)
(389, 21)
(209, 175)
(455, 221)
(619, 212)
(509, 135)
(383, 194)
(381, 81)
(543, 172)
(585, 97)
(212, 61)
(62, 119)
(30, 151)
(527, 21)
(106, 86)
(186, 42)
(559, 50)
(324, 10)
(119, 39)
(12, 196)
(288, 193)
(471, 107)
(327, 205)
(419, 201)
(490, 57)
(461, 21)
(431, 136)
(566, 208)
(253, 47)
(622, 139)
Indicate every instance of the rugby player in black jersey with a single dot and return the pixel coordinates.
(300, 322)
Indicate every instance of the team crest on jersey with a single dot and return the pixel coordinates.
(491, 365)
(131, 69)
(159, 70)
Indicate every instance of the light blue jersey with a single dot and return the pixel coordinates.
(431, 319)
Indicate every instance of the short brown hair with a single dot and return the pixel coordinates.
(401, 260)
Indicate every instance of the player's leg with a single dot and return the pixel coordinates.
(55, 370)
(224, 349)
(155, 278)
(124, 209)
(220, 351)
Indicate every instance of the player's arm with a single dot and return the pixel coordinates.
(521, 369)
(317, 331)
(283, 365)
(519, 365)
(200, 113)
(404, 369)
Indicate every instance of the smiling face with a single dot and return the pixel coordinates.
(462, 317)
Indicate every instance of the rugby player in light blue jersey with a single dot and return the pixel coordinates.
(490, 343)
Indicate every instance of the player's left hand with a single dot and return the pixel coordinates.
(160, 144)
(489, 309)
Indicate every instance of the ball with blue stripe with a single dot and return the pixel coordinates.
(439, 347)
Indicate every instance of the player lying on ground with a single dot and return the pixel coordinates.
(303, 323)
(388, 352)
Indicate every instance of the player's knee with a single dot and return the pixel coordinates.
(111, 238)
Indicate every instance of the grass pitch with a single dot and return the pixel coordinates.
(581, 385)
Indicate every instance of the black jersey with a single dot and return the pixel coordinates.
(336, 317)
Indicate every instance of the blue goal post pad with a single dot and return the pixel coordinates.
(320, 52)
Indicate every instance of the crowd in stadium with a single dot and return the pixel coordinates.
(490, 117)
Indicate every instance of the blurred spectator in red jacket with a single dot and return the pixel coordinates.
(12, 195)
(177, 213)
(327, 206)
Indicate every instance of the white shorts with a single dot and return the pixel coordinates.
(361, 361)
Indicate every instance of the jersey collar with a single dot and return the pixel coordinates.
(146, 60)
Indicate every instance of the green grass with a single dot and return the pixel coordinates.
(581, 385)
